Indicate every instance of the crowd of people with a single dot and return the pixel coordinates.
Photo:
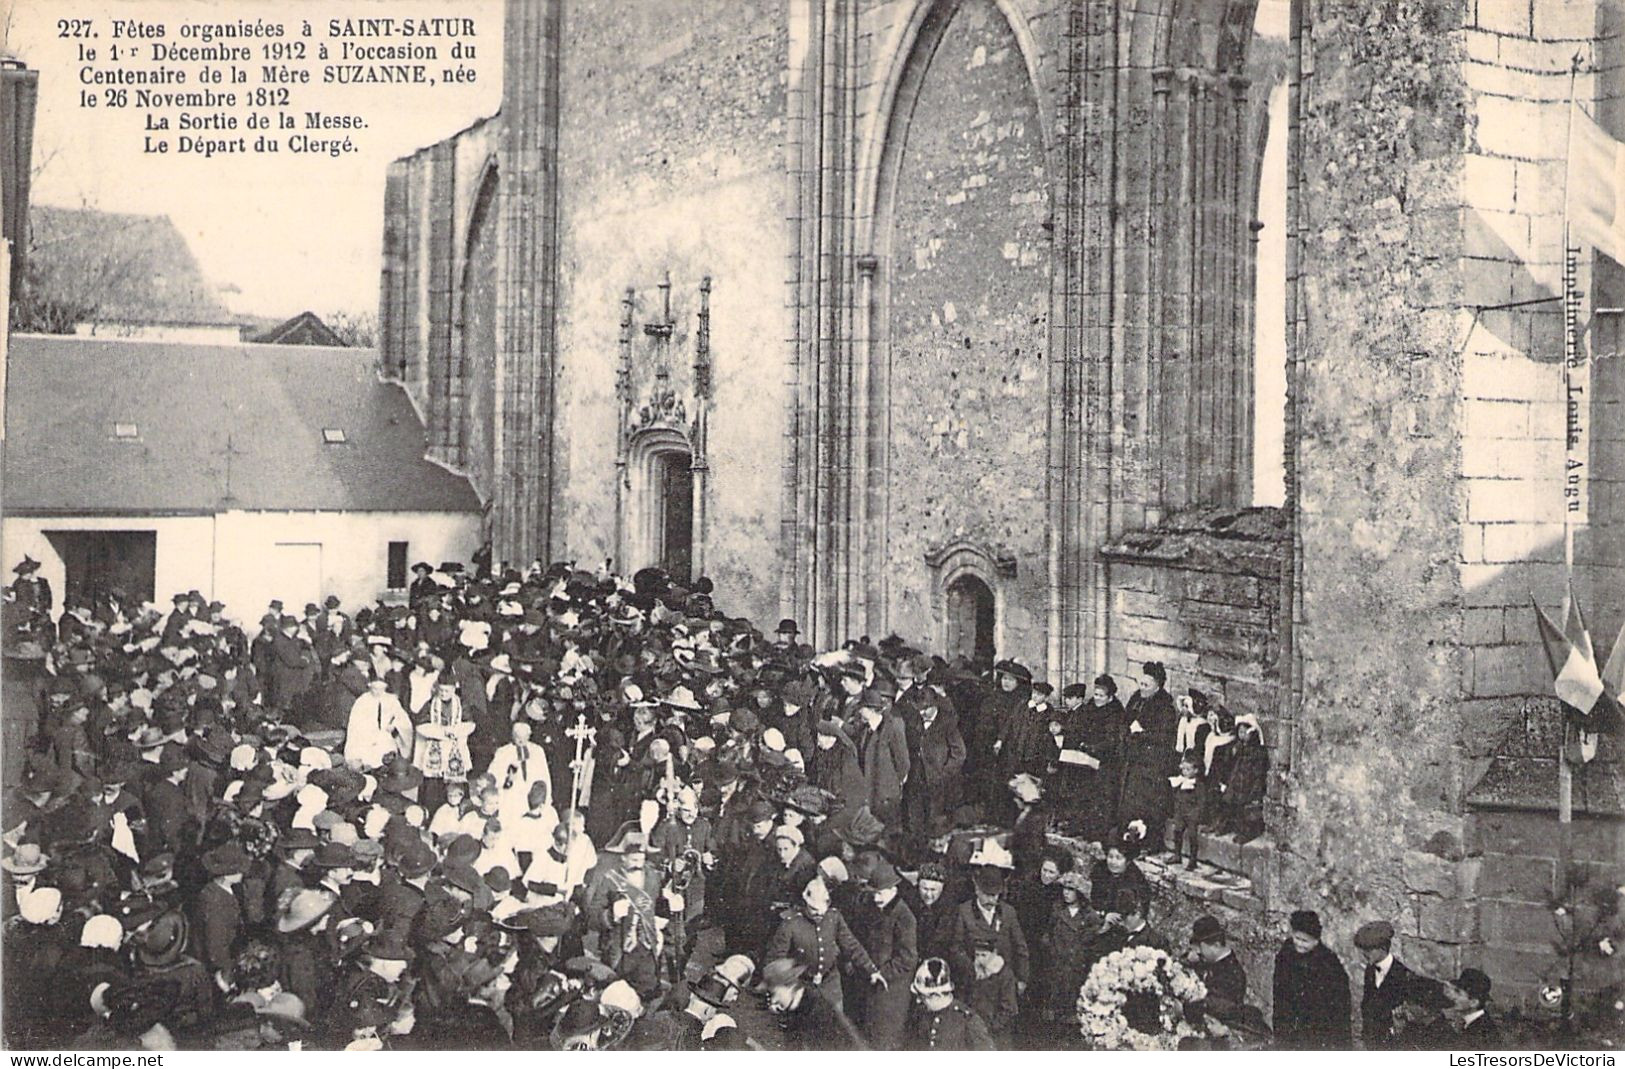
(559, 809)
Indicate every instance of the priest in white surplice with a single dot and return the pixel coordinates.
(378, 726)
(515, 767)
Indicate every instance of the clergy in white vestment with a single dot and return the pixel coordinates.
(515, 767)
(378, 726)
(442, 747)
(555, 873)
(532, 834)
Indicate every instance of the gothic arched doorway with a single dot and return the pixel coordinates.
(661, 501)
(972, 619)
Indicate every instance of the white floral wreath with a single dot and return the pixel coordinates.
(1123, 973)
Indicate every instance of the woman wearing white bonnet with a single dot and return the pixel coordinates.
(101, 932)
(39, 905)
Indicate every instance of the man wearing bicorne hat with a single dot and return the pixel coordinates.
(628, 908)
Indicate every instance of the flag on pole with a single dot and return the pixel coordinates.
(1574, 670)
(1613, 673)
(1575, 628)
(1596, 184)
(1575, 677)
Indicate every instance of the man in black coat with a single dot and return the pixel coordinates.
(1312, 1003)
(891, 937)
(1388, 986)
(1220, 971)
(936, 759)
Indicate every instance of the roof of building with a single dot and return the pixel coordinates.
(135, 269)
(1522, 774)
(99, 426)
(306, 328)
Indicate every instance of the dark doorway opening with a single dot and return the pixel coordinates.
(676, 488)
(97, 562)
(971, 619)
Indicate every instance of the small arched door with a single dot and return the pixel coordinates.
(674, 483)
(971, 618)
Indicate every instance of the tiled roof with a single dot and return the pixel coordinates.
(211, 428)
(306, 328)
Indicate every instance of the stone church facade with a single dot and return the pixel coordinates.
(937, 317)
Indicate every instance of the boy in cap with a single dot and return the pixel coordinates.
(1311, 991)
(1388, 986)
(992, 992)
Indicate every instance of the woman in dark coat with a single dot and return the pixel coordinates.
(1115, 873)
(1147, 749)
(833, 765)
(1090, 725)
(1074, 938)
(346, 683)
(1248, 778)
(1313, 1007)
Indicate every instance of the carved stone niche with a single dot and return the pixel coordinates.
(664, 410)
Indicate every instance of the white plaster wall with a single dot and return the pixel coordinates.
(354, 553)
(185, 548)
(232, 558)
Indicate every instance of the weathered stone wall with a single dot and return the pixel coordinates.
(670, 161)
(430, 200)
(968, 302)
(1378, 393)
(1201, 593)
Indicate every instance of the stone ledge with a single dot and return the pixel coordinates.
(1248, 541)
(1207, 882)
